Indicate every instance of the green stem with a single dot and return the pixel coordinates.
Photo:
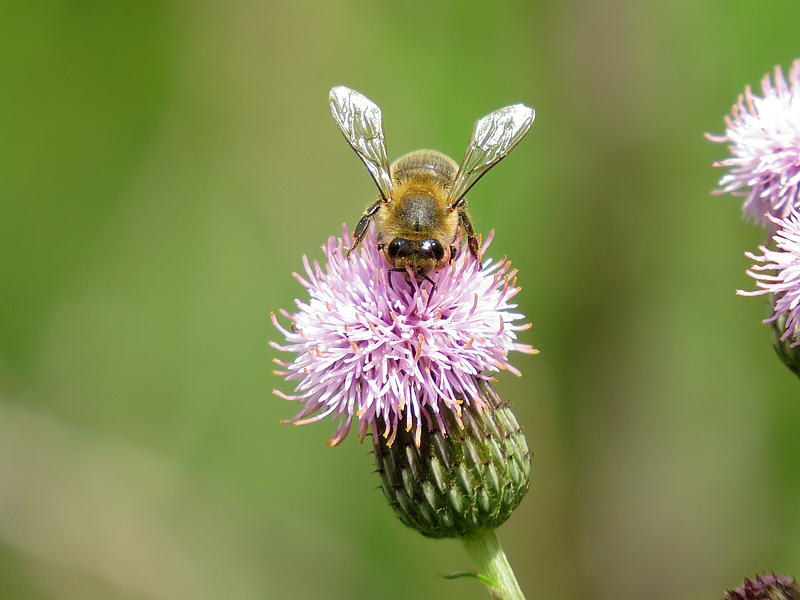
(493, 568)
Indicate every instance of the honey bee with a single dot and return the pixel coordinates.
(421, 208)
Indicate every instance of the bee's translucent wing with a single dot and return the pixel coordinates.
(494, 136)
(359, 120)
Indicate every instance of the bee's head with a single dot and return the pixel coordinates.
(420, 255)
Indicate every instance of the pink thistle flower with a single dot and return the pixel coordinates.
(785, 283)
(394, 354)
(764, 137)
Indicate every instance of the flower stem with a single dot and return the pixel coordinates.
(493, 568)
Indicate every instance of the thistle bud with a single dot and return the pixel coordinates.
(461, 483)
(786, 347)
(766, 587)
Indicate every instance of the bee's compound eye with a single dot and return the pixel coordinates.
(399, 247)
(432, 247)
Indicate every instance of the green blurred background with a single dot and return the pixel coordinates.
(163, 167)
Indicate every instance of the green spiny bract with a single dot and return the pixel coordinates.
(788, 354)
(458, 485)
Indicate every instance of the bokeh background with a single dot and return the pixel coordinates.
(163, 167)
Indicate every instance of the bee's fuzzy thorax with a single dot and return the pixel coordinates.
(418, 210)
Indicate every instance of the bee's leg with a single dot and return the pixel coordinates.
(472, 240)
(363, 223)
(453, 253)
(389, 275)
(429, 280)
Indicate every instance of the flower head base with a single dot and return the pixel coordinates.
(458, 485)
(785, 283)
(766, 587)
(764, 137)
(784, 348)
(390, 350)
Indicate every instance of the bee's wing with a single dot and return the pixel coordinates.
(494, 136)
(359, 120)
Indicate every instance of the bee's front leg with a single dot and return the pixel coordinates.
(363, 223)
(472, 240)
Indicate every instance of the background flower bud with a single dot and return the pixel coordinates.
(786, 348)
(766, 587)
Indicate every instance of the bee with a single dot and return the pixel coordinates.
(421, 208)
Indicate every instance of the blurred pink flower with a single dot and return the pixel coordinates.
(764, 137)
(393, 354)
(785, 282)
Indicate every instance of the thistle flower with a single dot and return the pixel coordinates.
(783, 278)
(395, 352)
(764, 137)
(765, 587)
